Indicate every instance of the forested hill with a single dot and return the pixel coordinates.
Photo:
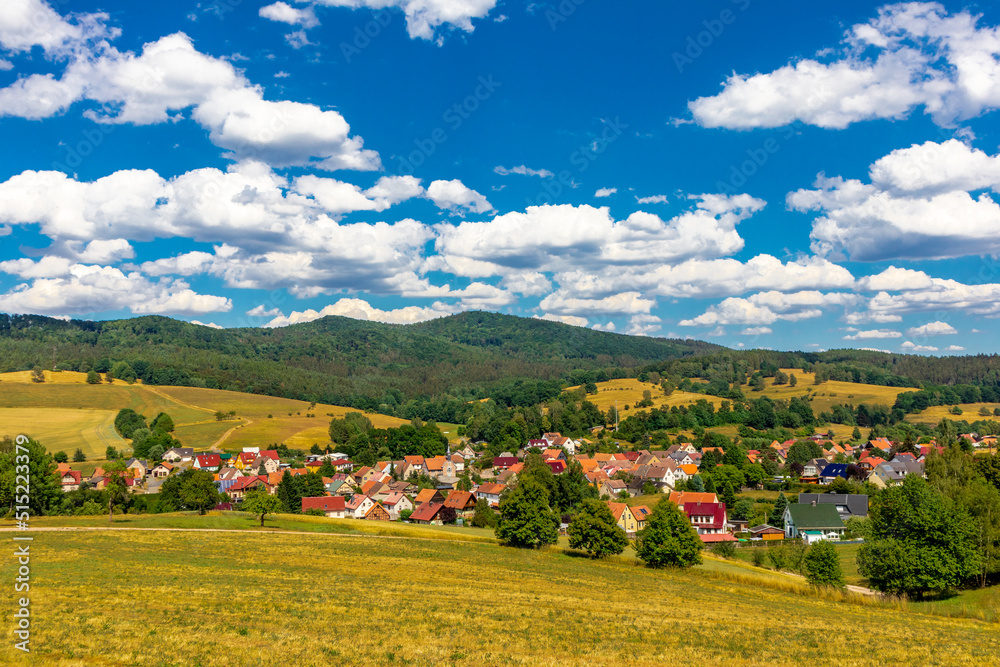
(336, 359)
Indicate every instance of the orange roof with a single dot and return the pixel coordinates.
(602, 458)
(435, 463)
(516, 468)
(679, 498)
(424, 496)
(414, 460)
(617, 509)
(588, 464)
(640, 512)
(690, 468)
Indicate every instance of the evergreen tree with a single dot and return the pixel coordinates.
(484, 516)
(526, 521)
(289, 493)
(856, 434)
(595, 531)
(668, 539)
(728, 497)
(777, 518)
(709, 484)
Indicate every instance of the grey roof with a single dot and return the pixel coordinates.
(856, 504)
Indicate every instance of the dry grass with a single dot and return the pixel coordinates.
(279, 599)
(90, 430)
(970, 413)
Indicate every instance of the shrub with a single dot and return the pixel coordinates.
(822, 565)
(757, 556)
(724, 550)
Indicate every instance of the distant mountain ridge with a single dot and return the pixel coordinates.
(335, 359)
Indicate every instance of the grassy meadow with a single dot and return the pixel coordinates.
(65, 412)
(259, 598)
(970, 413)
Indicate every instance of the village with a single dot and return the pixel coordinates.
(428, 490)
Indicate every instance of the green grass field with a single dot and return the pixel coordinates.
(90, 430)
(970, 413)
(260, 598)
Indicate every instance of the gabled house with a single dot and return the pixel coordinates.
(377, 513)
(229, 473)
(358, 506)
(463, 502)
(333, 507)
(813, 522)
(490, 491)
(70, 480)
(767, 532)
(139, 467)
(396, 503)
(244, 460)
(686, 471)
(894, 472)
(624, 517)
(428, 496)
(241, 486)
(832, 471)
(179, 455)
(847, 504)
(161, 470)
(501, 463)
(680, 498)
(612, 487)
(427, 513)
(264, 465)
(814, 467)
(707, 518)
(641, 513)
(210, 462)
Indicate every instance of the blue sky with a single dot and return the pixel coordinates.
(756, 174)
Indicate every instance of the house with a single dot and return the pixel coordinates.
(264, 465)
(229, 474)
(396, 503)
(832, 471)
(71, 480)
(459, 462)
(210, 462)
(427, 513)
(847, 504)
(467, 452)
(686, 471)
(358, 506)
(241, 486)
(333, 507)
(766, 532)
(434, 466)
(881, 444)
(556, 466)
(680, 498)
(501, 463)
(270, 454)
(415, 462)
(377, 513)
(612, 487)
(428, 496)
(179, 455)
(682, 458)
(161, 470)
(139, 467)
(814, 467)
(363, 475)
(463, 502)
(641, 513)
(893, 472)
(813, 522)
(244, 460)
(624, 517)
(707, 518)
(490, 491)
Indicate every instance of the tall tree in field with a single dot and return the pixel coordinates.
(260, 502)
(45, 490)
(199, 491)
(115, 487)
(669, 539)
(920, 542)
(526, 521)
(595, 531)
(823, 565)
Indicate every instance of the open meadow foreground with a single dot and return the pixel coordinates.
(252, 598)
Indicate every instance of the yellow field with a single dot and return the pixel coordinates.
(970, 413)
(66, 412)
(90, 430)
(629, 392)
(321, 599)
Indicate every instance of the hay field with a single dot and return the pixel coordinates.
(90, 430)
(180, 599)
(970, 413)
(65, 406)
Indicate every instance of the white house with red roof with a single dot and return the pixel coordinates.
(707, 518)
(211, 462)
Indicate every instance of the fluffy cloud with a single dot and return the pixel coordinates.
(94, 289)
(616, 304)
(261, 311)
(424, 17)
(909, 346)
(360, 309)
(523, 171)
(170, 76)
(571, 320)
(932, 329)
(756, 331)
(874, 333)
(916, 207)
(654, 199)
(913, 54)
(282, 12)
(28, 23)
(454, 196)
(564, 237)
(767, 308)
(605, 192)
(643, 325)
(955, 348)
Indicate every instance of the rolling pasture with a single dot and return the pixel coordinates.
(263, 598)
(65, 412)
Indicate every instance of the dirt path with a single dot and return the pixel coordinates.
(191, 406)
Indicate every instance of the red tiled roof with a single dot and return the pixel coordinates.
(715, 510)
(270, 453)
(426, 512)
(209, 460)
(325, 503)
(459, 500)
(491, 488)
